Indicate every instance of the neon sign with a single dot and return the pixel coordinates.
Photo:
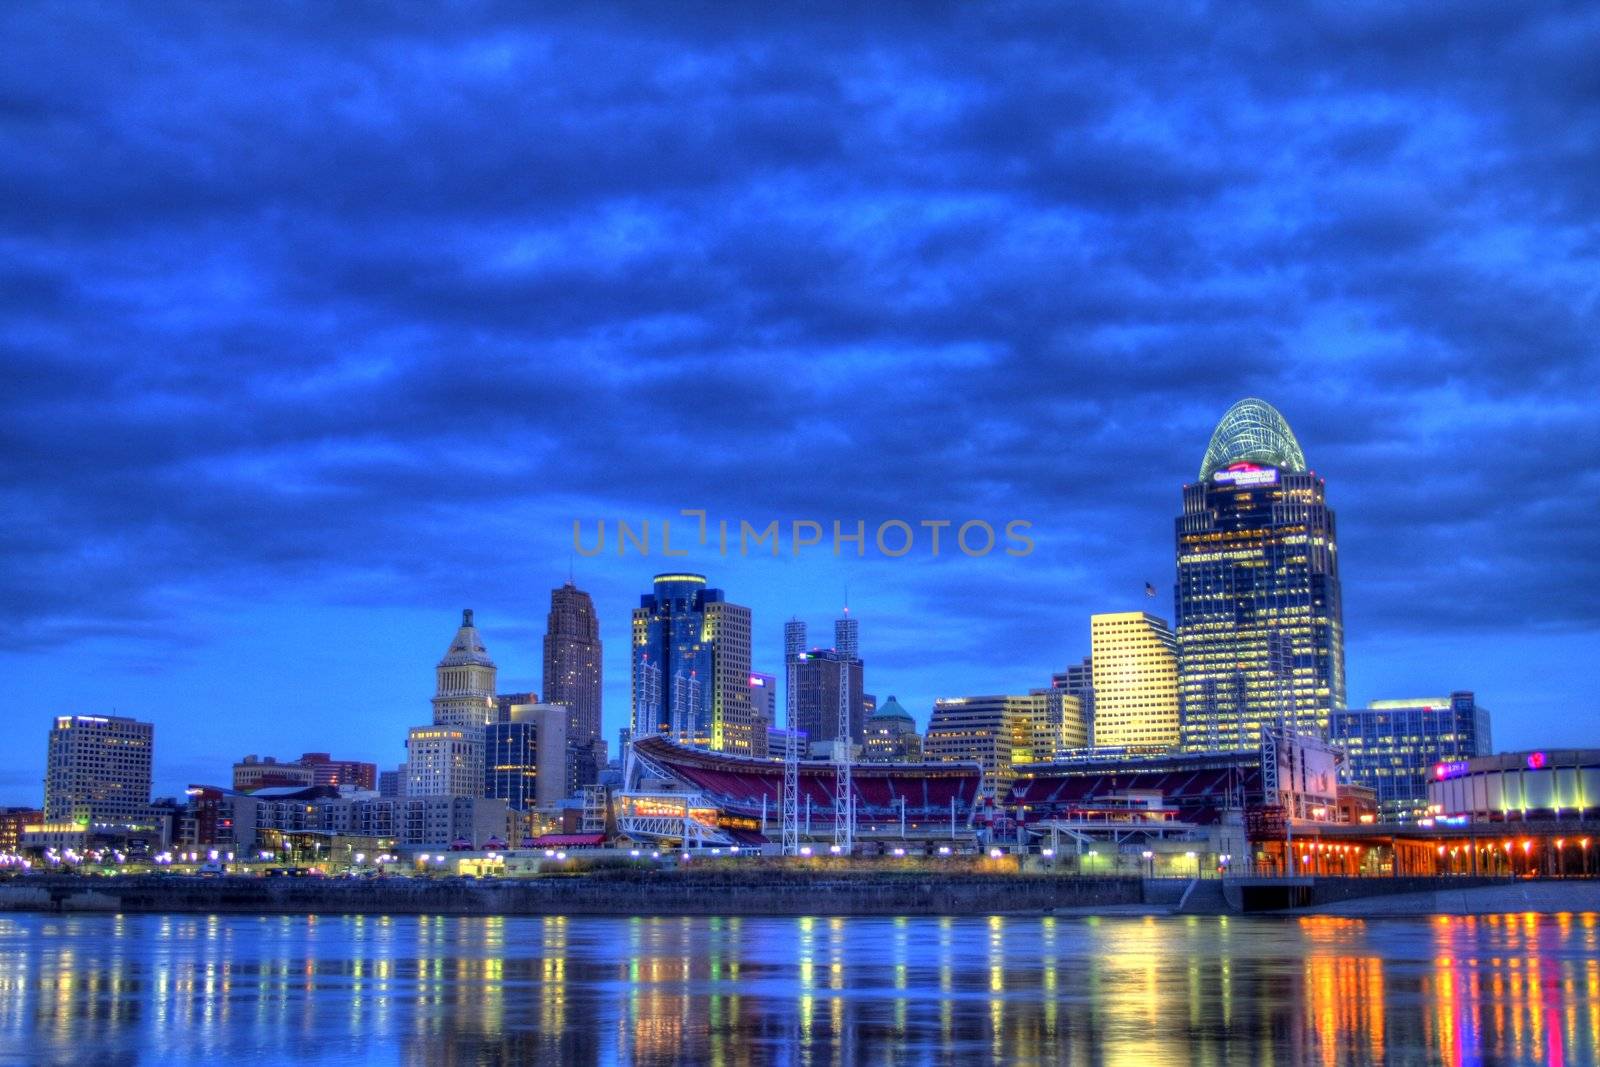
(1246, 475)
(1535, 761)
(1450, 769)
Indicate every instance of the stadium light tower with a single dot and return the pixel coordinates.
(844, 807)
(794, 645)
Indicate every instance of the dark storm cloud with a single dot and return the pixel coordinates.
(297, 295)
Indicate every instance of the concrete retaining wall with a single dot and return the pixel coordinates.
(1542, 897)
(656, 893)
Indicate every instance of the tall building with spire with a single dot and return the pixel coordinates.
(691, 666)
(446, 758)
(572, 671)
(1259, 612)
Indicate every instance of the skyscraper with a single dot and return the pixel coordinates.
(691, 666)
(97, 768)
(572, 662)
(818, 676)
(446, 759)
(1260, 622)
(464, 692)
(1135, 665)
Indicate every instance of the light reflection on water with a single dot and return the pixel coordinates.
(1145, 991)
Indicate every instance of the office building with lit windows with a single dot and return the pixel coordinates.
(691, 666)
(1393, 746)
(1068, 725)
(995, 732)
(1135, 665)
(1260, 624)
(444, 761)
(1078, 681)
(819, 673)
(97, 770)
(890, 735)
(12, 821)
(446, 758)
(763, 706)
(527, 760)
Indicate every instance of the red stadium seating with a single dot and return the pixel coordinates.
(739, 785)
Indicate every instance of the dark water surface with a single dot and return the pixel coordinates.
(1127, 990)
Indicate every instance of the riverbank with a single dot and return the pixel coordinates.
(777, 893)
(796, 892)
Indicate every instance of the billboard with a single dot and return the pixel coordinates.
(1246, 476)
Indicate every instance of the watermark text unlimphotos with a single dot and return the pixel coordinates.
(892, 538)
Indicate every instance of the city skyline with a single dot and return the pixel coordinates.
(308, 352)
(763, 643)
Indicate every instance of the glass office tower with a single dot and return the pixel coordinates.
(1395, 747)
(691, 666)
(1260, 625)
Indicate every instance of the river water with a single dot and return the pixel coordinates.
(136, 989)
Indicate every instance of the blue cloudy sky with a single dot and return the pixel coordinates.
(322, 322)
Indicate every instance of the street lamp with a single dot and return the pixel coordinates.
(1149, 862)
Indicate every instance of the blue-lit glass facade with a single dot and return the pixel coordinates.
(1393, 747)
(511, 764)
(691, 666)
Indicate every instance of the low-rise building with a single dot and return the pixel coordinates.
(246, 823)
(890, 735)
(312, 768)
(994, 732)
(1518, 786)
(12, 820)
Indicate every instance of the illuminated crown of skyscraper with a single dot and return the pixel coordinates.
(1252, 431)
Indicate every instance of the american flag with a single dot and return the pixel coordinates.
(1149, 590)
